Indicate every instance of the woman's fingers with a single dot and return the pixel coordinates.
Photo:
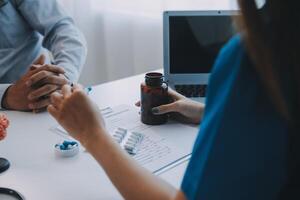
(172, 107)
(175, 95)
(66, 91)
(77, 87)
(53, 111)
(172, 94)
(56, 99)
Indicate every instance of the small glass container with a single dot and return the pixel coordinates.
(154, 93)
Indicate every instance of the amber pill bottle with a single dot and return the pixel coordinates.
(154, 92)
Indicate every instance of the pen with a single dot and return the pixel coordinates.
(88, 90)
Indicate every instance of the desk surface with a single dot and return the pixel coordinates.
(38, 174)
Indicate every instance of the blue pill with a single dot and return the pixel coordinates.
(62, 147)
(66, 143)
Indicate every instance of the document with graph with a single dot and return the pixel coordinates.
(158, 147)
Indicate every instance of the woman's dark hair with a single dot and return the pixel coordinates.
(272, 37)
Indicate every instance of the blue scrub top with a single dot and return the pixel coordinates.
(240, 152)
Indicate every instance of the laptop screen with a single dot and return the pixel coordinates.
(195, 42)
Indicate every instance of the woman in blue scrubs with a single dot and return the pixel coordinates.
(248, 144)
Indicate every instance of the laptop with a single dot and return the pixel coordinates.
(192, 41)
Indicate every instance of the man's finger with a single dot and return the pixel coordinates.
(59, 80)
(39, 110)
(39, 104)
(34, 67)
(47, 68)
(42, 91)
(172, 107)
(41, 60)
(54, 69)
(38, 77)
(42, 72)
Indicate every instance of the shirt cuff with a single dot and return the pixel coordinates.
(3, 88)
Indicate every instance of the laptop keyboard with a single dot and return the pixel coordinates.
(191, 91)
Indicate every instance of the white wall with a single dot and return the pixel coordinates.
(125, 36)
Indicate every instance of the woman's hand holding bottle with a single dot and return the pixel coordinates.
(181, 109)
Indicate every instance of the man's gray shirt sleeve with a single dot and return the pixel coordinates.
(3, 88)
(61, 37)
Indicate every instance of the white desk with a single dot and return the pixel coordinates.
(39, 175)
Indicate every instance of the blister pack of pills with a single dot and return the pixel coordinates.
(129, 141)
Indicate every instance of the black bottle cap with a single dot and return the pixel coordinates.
(154, 79)
(4, 165)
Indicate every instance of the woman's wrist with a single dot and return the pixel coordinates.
(102, 147)
(96, 139)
